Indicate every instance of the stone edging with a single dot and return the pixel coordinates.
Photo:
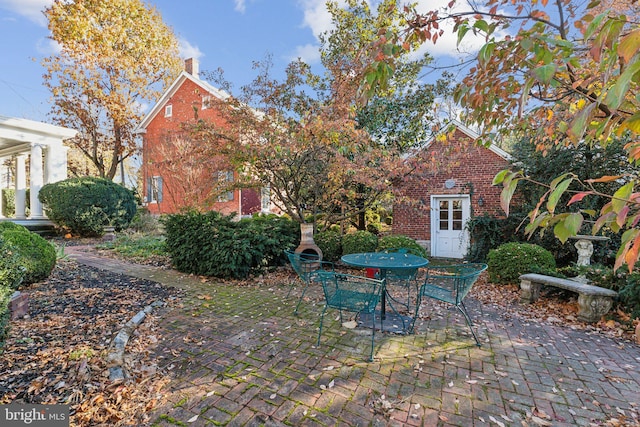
(117, 347)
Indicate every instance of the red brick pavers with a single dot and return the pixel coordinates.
(238, 356)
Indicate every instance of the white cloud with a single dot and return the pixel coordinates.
(48, 47)
(309, 53)
(240, 6)
(187, 50)
(447, 44)
(31, 9)
(316, 16)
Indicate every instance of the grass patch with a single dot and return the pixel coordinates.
(139, 246)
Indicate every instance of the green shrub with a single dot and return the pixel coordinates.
(330, 243)
(629, 294)
(394, 242)
(359, 241)
(9, 202)
(281, 233)
(509, 261)
(486, 233)
(84, 206)
(11, 275)
(36, 255)
(211, 244)
(12, 226)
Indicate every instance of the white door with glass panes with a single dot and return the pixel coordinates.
(449, 216)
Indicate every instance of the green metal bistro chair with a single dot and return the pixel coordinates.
(306, 267)
(451, 284)
(351, 293)
(401, 277)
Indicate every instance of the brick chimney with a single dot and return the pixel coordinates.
(191, 67)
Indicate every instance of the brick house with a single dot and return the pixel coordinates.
(434, 205)
(172, 175)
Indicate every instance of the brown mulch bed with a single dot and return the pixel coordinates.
(58, 354)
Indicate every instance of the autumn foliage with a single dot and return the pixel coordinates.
(561, 72)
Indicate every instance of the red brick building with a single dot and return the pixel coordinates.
(434, 206)
(173, 175)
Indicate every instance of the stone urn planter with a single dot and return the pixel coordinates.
(109, 233)
(307, 245)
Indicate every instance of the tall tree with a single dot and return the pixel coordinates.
(569, 75)
(114, 57)
(310, 143)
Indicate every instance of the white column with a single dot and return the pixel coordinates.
(21, 186)
(2, 171)
(35, 181)
(55, 163)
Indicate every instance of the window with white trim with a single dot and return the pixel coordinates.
(206, 100)
(154, 189)
(225, 178)
(168, 110)
(265, 199)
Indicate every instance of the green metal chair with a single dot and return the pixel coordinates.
(351, 293)
(306, 267)
(401, 277)
(451, 284)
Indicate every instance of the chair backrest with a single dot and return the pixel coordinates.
(457, 279)
(306, 265)
(349, 292)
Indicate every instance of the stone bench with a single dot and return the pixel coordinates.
(593, 301)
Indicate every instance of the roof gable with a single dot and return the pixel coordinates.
(171, 90)
(473, 135)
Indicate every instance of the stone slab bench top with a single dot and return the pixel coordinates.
(568, 284)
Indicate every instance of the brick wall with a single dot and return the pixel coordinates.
(470, 168)
(187, 107)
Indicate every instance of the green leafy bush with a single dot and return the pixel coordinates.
(211, 244)
(36, 255)
(359, 241)
(398, 241)
(330, 243)
(12, 226)
(9, 202)
(629, 294)
(11, 275)
(84, 205)
(488, 233)
(507, 262)
(281, 233)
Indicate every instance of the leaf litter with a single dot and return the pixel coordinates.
(57, 354)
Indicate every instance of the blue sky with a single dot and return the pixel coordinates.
(229, 34)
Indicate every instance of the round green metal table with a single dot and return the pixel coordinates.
(385, 261)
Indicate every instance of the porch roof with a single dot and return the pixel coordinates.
(18, 135)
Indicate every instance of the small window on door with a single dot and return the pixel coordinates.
(456, 213)
(444, 215)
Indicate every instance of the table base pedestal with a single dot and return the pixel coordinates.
(395, 323)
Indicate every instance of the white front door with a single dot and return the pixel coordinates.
(449, 236)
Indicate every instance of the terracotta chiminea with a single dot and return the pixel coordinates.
(307, 245)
